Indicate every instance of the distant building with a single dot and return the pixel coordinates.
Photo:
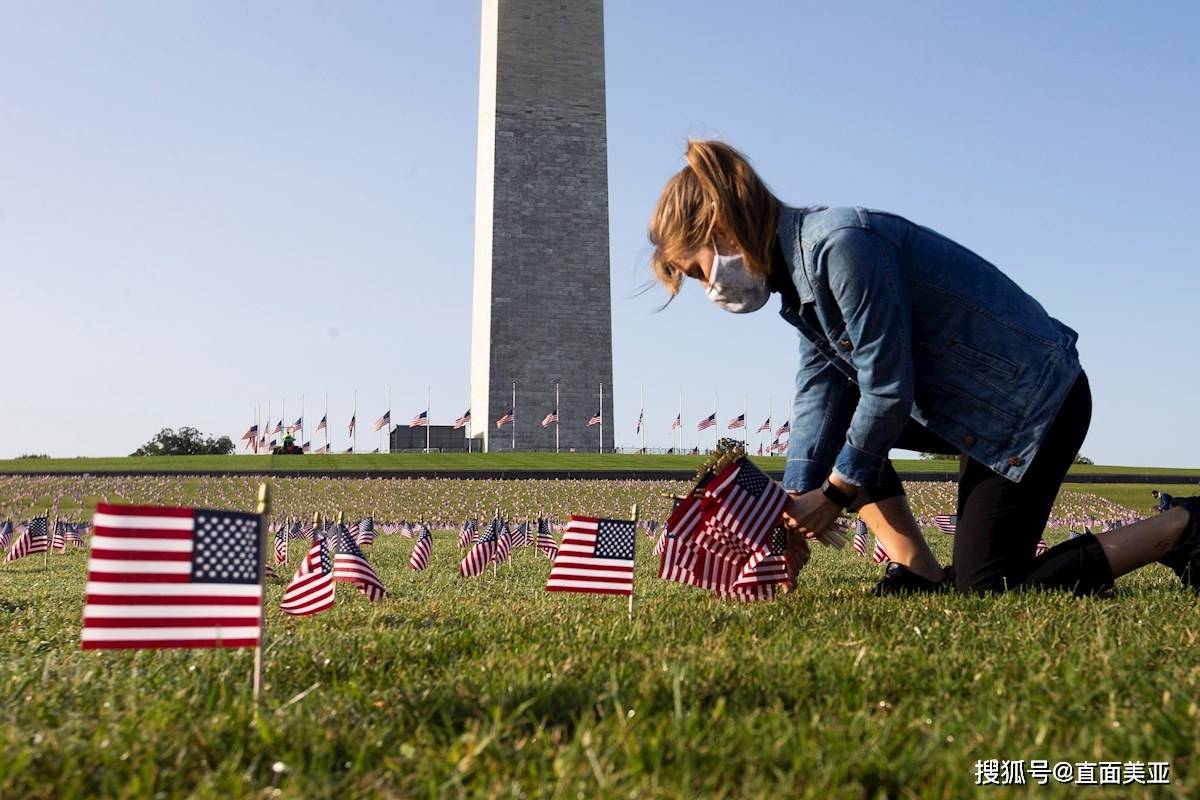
(442, 438)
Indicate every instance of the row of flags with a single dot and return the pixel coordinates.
(256, 439)
(36, 537)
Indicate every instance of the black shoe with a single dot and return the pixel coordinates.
(1184, 557)
(899, 579)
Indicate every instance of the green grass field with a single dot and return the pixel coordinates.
(493, 687)
(560, 462)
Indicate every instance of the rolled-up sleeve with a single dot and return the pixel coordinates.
(862, 270)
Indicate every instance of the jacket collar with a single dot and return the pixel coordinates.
(789, 230)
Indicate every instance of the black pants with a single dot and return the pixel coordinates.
(1000, 521)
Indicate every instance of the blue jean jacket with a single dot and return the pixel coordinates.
(927, 330)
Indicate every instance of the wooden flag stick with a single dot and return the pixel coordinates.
(631, 580)
(264, 508)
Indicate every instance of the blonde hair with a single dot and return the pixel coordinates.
(717, 188)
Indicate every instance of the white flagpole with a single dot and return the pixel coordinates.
(428, 414)
(387, 429)
(642, 417)
(745, 418)
(326, 418)
(679, 446)
(302, 420)
(266, 432)
(354, 416)
(716, 427)
(556, 417)
(283, 418)
(601, 450)
(514, 416)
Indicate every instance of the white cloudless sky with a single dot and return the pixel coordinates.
(206, 207)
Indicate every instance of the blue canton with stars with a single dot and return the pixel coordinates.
(226, 547)
(751, 479)
(615, 538)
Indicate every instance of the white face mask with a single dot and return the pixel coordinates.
(732, 287)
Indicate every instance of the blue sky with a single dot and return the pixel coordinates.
(206, 207)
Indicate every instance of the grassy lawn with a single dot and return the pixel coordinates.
(563, 462)
(493, 687)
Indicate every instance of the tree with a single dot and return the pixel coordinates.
(32, 455)
(1080, 458)
(187, 442)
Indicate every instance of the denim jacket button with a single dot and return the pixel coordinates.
(846, 343)
(969, 440)
(1015, 461)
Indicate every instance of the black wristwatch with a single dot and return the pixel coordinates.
(837, 496)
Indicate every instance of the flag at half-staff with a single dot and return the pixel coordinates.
(481, 553)
(34, 539)
(595, 557)
(351, 566)
(312, 589)
(173, 577)
(419, 559)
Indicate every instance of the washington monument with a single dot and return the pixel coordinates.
(542, 311)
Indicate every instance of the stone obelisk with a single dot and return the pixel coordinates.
(542, 308)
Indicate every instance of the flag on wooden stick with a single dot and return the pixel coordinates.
(173, 577)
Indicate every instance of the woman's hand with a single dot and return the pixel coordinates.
(810, 513)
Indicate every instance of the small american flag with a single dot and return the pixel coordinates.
(463, 420)
(878, 554)
(784, 428)
(550, 419)
(481, 554)
(737, 422)
(522, 537)
(504, 544)
(595, 420)
(946, 523)
(311, 590)
(707, 422)
(1040, 547)
(6, 529)
(281, 547)
(860, 538)
(385, 421)
(59, 540)
(766, 426)
(366, 532)
(173, 577)
(749, 504)
(466, 534)
(420, 420)
(505, 419)
(545, 539)
(420, 554)
(350, 566)
(596, 556)
(34, 539)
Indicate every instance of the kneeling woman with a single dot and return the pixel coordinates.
(907, 339)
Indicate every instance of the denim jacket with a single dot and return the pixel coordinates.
(927, 330)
